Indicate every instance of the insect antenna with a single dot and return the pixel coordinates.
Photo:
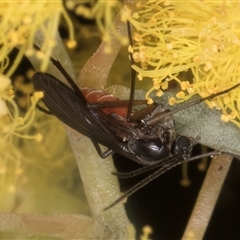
(58, 65)
(171, 162)
(44, 110)
(157, 117)
(133, 73)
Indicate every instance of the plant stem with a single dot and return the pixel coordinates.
(207, 197)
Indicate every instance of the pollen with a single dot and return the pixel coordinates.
(149, 101)
(166, 3)
(172, 101)
(208, 66)
(185, 85)
(164, 85)
(140, 77)
(152, 21)
(71, 44)
(156, 84)
(4, 82)
(136, 56)
(190, 90)
(130, 49)
(196, 59)
(225, 118)
(159, 93)
(212, 104)
(189, 42)
(180, 94)
(40, 54)
(147, 231)
(137, 37)
(70, 4)
(27, 19)
(185, 182)
(30, 72)
(38, 95)
(29, 52)
(226, 100)
(38, 137)
(125, 13)
(233, 115)
(135, 15)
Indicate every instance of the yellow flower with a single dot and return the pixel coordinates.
(104, 13)
(201, 37)
(19, 22)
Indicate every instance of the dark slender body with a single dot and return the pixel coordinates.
(147, 137)
(143, 143)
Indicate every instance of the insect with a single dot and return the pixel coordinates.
(147, 136)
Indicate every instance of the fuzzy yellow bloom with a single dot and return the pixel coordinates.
(104, 13)
(198, 36)
(19, 22)
(180, 94)
(172, 101)
(147, 231)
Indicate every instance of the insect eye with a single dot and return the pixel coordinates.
(149, 150)
(183, 145)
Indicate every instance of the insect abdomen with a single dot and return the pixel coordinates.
(94, 96)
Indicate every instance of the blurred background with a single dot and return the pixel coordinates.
(51, 183)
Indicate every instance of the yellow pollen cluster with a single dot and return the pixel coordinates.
(19, 22)
(104, 13)
(202, 37)
(12, 126)
(146, 232)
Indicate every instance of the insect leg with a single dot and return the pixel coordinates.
(144, 169)
(114, 104)
(173, 162)
(143, 112)
(42, 109)
(104, 154)
(212, 154)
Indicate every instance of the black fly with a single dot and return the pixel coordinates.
(147, 137)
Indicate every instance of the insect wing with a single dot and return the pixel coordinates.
(65, 104)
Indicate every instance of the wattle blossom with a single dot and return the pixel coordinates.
(200, 37)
